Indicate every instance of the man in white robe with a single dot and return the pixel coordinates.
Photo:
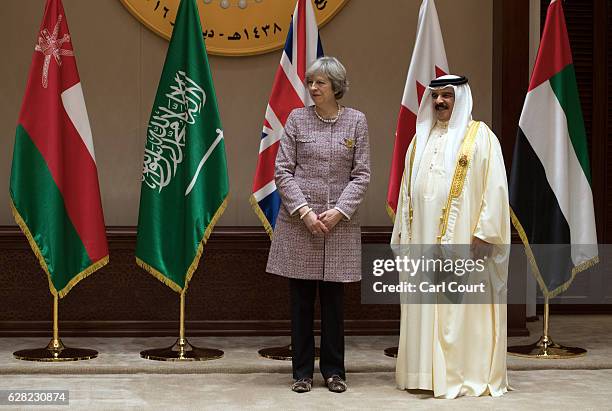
(454, 191)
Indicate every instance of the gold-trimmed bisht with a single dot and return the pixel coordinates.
(466, 153)
(410, 209)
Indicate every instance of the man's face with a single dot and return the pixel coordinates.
(443, 102)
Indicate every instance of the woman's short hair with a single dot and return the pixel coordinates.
(334, 70)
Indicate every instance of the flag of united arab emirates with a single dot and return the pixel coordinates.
(550, 183)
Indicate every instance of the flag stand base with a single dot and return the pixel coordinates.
(545, 348)
(281, 353)
(391, 352)
(182, 350)
(55, 351)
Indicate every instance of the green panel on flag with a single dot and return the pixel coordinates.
(41, 214)
(565, 87)
(184, 182)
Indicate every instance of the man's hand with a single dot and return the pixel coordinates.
(330, 218)
(480, 249)
(314, 225)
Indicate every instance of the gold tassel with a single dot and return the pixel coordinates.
(391, 213)
(196, 260)
(83, 274)
(157, 274)
(534, 265)
(34, 246)
(194, 264)
(261, 216)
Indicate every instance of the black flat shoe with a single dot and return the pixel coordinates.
(336, 384)
(302, 385)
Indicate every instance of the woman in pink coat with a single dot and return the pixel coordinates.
(322, 173)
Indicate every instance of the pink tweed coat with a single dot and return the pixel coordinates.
(324, 166)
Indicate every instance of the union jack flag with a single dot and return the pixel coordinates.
(302, 48)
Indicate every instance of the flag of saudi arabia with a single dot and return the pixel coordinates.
(54, 190)
(550, 183)
(184, 178)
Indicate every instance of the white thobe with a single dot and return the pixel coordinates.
(456, 349)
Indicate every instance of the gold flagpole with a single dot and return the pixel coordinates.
(55, 351)
(181, 341)
(181, 350)
(545, 347)
(55, 343)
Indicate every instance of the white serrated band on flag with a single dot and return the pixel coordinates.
(428, 53)
(74, 104)
(265, 191)
(544, 124)
(274, 134)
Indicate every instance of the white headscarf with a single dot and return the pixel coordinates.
(457, 126)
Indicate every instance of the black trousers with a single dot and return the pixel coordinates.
(331, 296)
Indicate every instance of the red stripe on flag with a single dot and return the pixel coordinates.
(440, 72)
(406, 128)
(267, 124)
(301, 39)
(554, 53)
(284, 97)
(265, 167)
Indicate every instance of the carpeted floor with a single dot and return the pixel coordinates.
(120, 379)
(533, 390)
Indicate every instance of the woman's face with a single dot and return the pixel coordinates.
(320, 89)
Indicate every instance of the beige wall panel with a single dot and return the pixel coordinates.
(20, 21)
(109, 58)
(120, 62)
